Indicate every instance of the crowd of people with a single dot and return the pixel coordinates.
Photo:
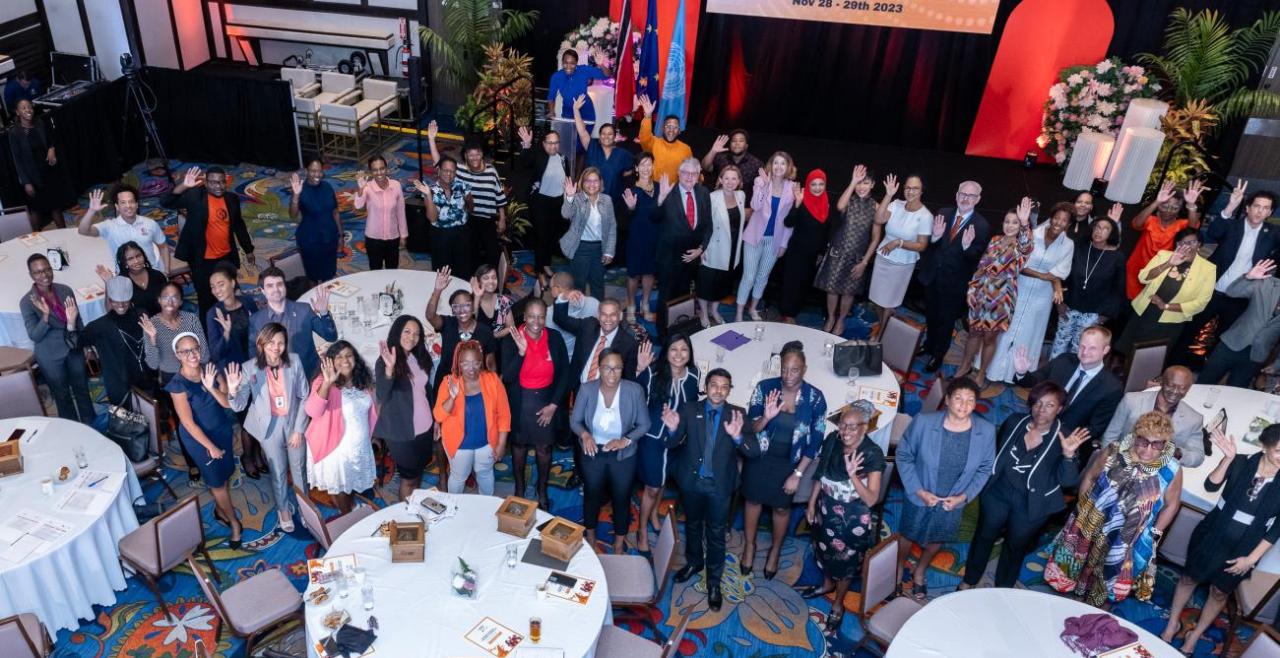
(562, 365)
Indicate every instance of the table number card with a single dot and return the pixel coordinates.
(90, 293)
(1135, 650)
(879, 397)
(323, 570)
(342, 288)
(494, 637)
(33, 240)
(570, 588)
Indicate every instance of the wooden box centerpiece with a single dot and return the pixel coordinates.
(10, 458)
(516, 516)
(561, 539)
(408, 541)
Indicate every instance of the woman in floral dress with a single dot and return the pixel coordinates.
(1129, 496)
(994, 289)
(843, 273)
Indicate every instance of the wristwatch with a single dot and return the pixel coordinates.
(797, 472)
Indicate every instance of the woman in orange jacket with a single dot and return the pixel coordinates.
(474, 418)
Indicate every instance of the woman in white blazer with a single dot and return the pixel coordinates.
(729, 212)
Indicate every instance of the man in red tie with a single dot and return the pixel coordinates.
(683, 236)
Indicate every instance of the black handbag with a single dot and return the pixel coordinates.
(865, 355)
(129, 430)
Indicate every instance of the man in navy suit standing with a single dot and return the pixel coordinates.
(960, 236)
(683, 235)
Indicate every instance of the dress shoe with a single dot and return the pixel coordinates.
(686, 572)
(714, 598)
(934, 364)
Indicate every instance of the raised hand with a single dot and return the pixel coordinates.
(442, 279)
(939, 227)
(1117, 209)
(234, 377)
(1261, 270)
(328, 371)
(644, 356)
(520, 341)
(1166, 192)
(647, 106)
(853, 464)
(454, 390)
(1182, 254)
(96, 204)
(1024, 211)
(148, 327)
(799, 194)
(476, 289)
(570, 188)
(629, 198)
(526, 136)
(1226, 444)
(320, 302)
(433, 129)
(1237, 193)
(734, 425)
(1021, 359)
(209, 376)
(574, 296)
(361, 181)
(859, 174)
(761, 175)
(890, 186)
(720, 145)
(41, 306)
(772, 405)
(1193, 191)
(193, 178)
(967, 238)
(388, 357)
(670, 418)
(578, 103)
(295, 184)
(73, 311)
(1072, 442)
(223, 321)
(423, 189)
(664, 187)
(104, 272)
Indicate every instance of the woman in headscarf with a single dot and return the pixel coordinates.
(808, 222)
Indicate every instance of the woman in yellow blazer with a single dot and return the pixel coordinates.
(1176, 285)
(474, 418)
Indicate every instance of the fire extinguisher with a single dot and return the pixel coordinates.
(404, 48)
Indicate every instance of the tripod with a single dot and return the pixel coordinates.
(139, 97)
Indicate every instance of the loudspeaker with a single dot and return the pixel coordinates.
(417, 87)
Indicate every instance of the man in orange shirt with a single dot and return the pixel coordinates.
(213, 228)
(669, 151)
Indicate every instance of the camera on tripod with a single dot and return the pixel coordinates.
(127, 65)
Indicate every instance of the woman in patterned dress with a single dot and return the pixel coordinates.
(843, 273)
(1129, 496)
(994, 288)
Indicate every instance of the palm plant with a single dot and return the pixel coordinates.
(469, 26)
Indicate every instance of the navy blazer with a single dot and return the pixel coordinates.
(1228, 233)
(674, 235)
(918, 452)
(688, 445)
(587, 333)
(946, 261)
(1094, 405)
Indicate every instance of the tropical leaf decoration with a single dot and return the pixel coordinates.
(507, 75)
(469, 26)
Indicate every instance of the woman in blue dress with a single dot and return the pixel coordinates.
(319, 229)
(668, 384)
(204, 425)
(642, 236)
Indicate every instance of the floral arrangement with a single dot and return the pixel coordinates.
(464, 580)
(1090, 98)
(596, 42)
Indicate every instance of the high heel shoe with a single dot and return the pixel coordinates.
(770, 573)
(744, 565)
(235, 544)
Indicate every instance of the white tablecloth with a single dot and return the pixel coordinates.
(746, 362)
(417, 286)
(85, 254)
(1000, 623)
(63, 582)
(419, 616)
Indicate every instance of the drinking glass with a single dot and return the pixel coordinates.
(853, 375)
(511, 556)
(344, 589)
(366, 592)
(81, 460)
(719, 354)
(540, 590)
(1211, 397)
(828, 348)
(535, 629)
(759, 333)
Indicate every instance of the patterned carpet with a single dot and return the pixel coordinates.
(760, 618)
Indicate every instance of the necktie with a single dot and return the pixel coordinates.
(955, 227)
(594, 370)
(689, 213)
(709, 448)
(1077, 383)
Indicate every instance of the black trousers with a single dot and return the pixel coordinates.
(1001, 514)
(544, 214)
(1239, 369)
(383, 254)
(69, 385)
(606, 473)
(484, 242)
(944, 304)
(674, 279)
(201, 270)
(1225, 309)
(706, 520)
(450, 246)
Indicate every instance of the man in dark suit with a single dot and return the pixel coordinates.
(1092, 391)
(960, 235)
(592, 337)
(1242, 242)
(213, 228)
(682, 237)
(705, 437)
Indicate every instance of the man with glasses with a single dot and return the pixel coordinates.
(214, 230)
(1187, 422)
(300, 320)
(545, 169)
(683, 233)
(52, 320)
(118, 338)
(960, 236)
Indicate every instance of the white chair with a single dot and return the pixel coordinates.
(326, 532)
(252, 606)
(899, 342)
(151, 468)
(1175, 543)
(879, 582)
(1146, 363)
(289, 261)
(334, 87)
(14, 223)
(932, 402)
(379, 98)
(1264, 644)
(886, 478)
(615, 642)
(349, 126)
(163, 543)
(24, 636)
(19, 396)
(1254, 601)
(303, 81)
(632, 579)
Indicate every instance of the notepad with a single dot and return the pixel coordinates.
(494, 637)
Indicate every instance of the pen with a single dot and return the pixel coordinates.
(33, 436)
(98, 481)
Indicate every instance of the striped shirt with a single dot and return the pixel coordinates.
(487, 194)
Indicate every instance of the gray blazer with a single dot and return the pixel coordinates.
(577, 211)
(52, 340)
(918, 452)
(634, 413)
(1259, 326)
(1187, 425)
(296, 390)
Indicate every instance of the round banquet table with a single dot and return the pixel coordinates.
(747, 362)
(417, 286)
(85, 254)
(62, 581)
(418, 614)
(1000, 623)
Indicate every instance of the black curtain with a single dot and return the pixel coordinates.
(555, 19)
(880, 85)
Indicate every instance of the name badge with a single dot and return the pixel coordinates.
(279, 402)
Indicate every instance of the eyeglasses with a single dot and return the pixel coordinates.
(46, 270)
(851, 426)
(1142, 444)
(611, 368)
(190, 351)
(170, 298)
(960, 195)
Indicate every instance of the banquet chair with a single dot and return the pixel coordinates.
(932, 402)
(163, 543)
(1175, 543)
(615, 642)
(899, 341)
(1264, 644)
(631, 578)
(1146, 363)
(886, 479)
(19, 396)
(326, 532)
(151, 468)
(879, 582)
(290, 262)
(14, 222)
(1254, 601)
(24, 636)
(252, 606)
